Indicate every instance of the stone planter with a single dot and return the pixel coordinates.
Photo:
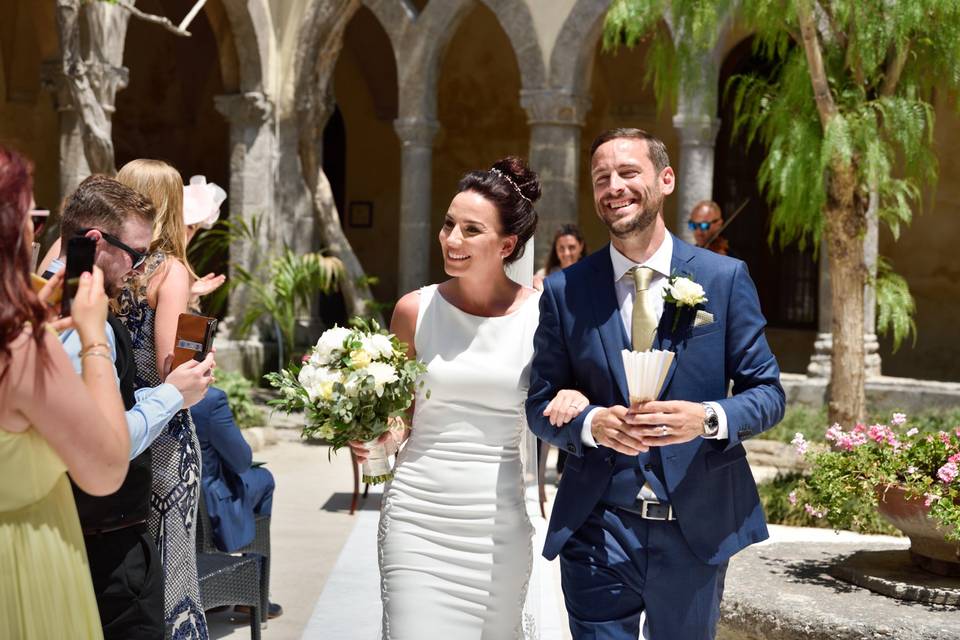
(929, 547)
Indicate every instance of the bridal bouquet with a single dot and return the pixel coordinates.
(348, 386)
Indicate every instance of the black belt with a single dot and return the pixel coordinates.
(649, 510)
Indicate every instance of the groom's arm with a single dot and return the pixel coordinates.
(758, 399)
(550, 372)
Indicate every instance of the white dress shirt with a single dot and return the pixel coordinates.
(625, 289)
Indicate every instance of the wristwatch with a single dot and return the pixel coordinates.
(711, 423)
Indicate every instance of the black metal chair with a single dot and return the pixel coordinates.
(260, 548)
(227, 580)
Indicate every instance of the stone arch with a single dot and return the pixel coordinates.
(515, 20)
(571, 62)
(253, 37)
(395, 17)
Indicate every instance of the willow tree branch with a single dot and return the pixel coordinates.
(891, 78)
(160, 20)
(826, 106)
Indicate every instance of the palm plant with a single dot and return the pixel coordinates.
(281, 287)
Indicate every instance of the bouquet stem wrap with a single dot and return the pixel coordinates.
(377, 468)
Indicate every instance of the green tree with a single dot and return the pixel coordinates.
(847, 121)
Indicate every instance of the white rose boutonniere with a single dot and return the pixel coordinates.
(682, 291)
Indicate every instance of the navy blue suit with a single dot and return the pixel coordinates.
(234, 492)
(708, 482)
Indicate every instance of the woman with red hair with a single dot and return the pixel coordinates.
(52, 422)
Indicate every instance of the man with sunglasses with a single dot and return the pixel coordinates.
(705, 221)
(124, 561)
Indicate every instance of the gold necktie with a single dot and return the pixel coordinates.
(644, 318)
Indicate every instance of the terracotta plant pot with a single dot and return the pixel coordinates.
(929, 547)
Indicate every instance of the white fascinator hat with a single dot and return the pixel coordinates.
(201, 202)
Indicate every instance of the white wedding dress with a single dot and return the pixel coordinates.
(454, 537)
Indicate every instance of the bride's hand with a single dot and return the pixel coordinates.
(565, 406)
(393, 438)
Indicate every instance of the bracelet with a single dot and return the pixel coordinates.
(102, 354)
(91, 347)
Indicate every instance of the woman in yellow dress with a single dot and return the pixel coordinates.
(52, 422)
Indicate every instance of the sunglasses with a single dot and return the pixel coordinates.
(39, 217)
(703, 226)
(136, 257)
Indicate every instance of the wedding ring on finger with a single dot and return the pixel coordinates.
(663, 430)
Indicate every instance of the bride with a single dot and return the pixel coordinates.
(454, 538)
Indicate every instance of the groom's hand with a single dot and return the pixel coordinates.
(610, 429)
(656, 424)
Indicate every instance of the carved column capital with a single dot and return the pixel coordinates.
(554, 106)
(417, 132)
(244, 109)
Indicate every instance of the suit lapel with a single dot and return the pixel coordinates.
(613, 336)
(666, 339)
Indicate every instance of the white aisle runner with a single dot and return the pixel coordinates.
(349, 606)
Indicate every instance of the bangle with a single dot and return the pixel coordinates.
(102, 354)
(91, 347)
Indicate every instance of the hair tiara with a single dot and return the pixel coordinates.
(512, 183)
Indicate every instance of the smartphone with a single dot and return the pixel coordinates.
(80, 254)
(194, 338)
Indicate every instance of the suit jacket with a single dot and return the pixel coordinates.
(225, 455)
(578, 346)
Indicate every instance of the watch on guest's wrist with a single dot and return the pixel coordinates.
(711, 423)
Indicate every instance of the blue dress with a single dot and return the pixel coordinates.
(176, 476)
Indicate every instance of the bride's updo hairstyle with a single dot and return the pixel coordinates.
(512, 187)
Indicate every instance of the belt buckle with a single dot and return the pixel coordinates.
(647, 516)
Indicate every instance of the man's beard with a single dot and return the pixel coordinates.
(640, 222)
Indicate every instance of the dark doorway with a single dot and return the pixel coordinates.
(786, 278)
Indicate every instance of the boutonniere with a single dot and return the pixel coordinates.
(682, 291)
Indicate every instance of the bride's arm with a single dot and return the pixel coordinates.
(404, 326)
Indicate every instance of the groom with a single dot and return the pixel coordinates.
(655, 498)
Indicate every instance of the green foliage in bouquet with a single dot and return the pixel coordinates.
(350, 384)
(846, 479)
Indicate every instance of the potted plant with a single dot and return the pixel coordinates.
(910, 476)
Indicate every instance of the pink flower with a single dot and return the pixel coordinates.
(792, 497)
(799, 443)
(913, 431)
(898, 419)
(911, 469)
(944, 437)
(816, 513)
(954, 458)
(834, 432)
(930, 497)
(948, 472)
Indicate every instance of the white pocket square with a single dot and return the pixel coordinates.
(702, 318)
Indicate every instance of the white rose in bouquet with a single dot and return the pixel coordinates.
(318, 381)
(383, 374)
(329, 345)
(377, 345)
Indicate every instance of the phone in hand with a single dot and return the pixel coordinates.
(194, 338)
(81, 252)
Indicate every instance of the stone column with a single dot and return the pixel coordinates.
(107, 80)
(698, 134)
(819, 366)
(556, 120)
(250, 194)
(416, 138)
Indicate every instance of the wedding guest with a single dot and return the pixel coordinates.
(124, 561)
(706, 220)
(52, 422)
(201, 209)
(235, 492)
(149, 307)
(567, 248)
